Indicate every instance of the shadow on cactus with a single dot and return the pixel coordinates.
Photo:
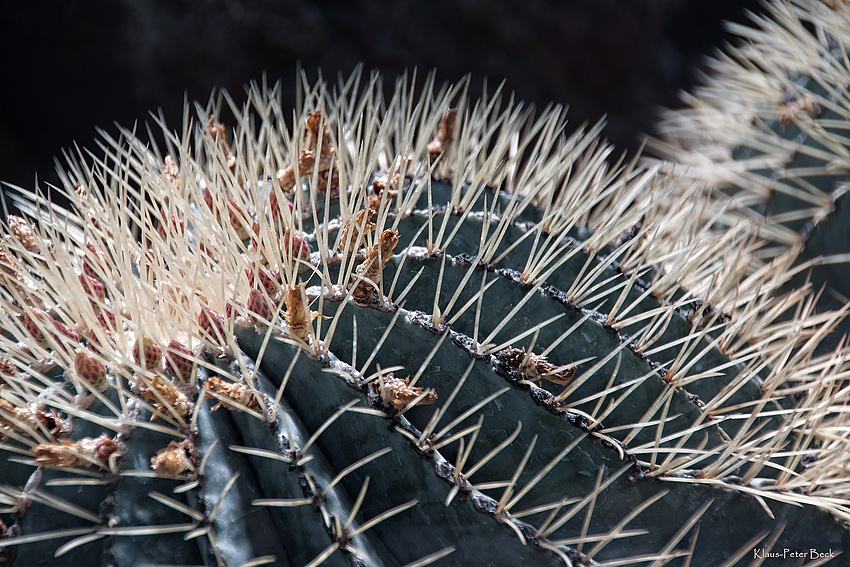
(390, 333)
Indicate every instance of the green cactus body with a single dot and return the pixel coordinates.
(487, 358)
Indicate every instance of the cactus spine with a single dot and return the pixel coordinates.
(387, 334)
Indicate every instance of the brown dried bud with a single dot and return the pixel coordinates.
(371, 270)
(166, 396)
(7, 369)
(171, 171)
(26, 421)
(175, 459)
(398, 393)
(808, 104)
(22, 231)
(286, 182)
(442, 142)
(86, 452)
(533, 367)
(11, 274)
(298, 317)
(389, 181)
(219, 134)
(240, 394)
(351, 236)
(314, 157)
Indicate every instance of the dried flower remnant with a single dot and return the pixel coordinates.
(354, 232)
(314, 158)
(24, 420)
(371, 270)
(174, 460)
(167, 397)
(387, 184)
(298, 315)
(533, 367)
(85, 452)
(7, 370)
(171, 172)
(286, 182)
(807, 104)
(11, 275)
(398, 393)
(218, 131)
(7, 554)
(240, 394)
(22, 231)
(442, 142)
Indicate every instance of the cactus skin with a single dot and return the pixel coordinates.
(676, 412)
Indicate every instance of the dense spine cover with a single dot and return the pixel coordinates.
(405, 331)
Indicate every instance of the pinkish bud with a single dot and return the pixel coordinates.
(265, 277)
(239, 219)
(93, 288)
(259, 305)
(179, 361)
(295, 246)
(212, 325)
(147, 353)
(90, 369)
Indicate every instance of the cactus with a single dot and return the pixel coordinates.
(765, 136)
(404, 332)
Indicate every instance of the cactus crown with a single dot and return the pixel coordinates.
(230, 338)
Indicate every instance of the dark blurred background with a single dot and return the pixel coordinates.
(68, 66)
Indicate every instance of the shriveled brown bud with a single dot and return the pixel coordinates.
(318, 158)
(298, 315)
(442, 142)
(533, 367)
(371, 270)
(398, 393)
(286, 182)
(171, 171)
(174, 460)
(167, 398)
(85, 452)
(11, 274)
(218, 131)
(240, 394)
(22, 231)
(354, 231)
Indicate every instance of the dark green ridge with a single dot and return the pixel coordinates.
(313, 390)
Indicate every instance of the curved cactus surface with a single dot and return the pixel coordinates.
(400, 335)
(767, 136)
